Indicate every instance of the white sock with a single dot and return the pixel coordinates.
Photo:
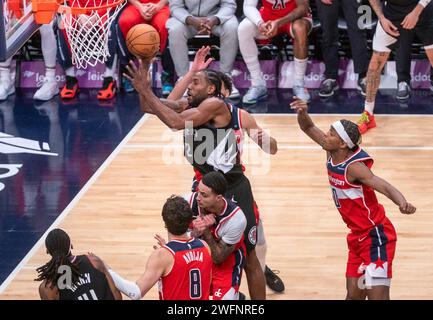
(300, 69)
(109, 72)
(70, 72)
(50, 73)
(369, 106)
(261, 246)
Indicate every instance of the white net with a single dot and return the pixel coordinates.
(88, 31)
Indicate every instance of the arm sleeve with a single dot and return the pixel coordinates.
(424, 3)
(178, 10)
(235, 228)
(127, 287)
(251, 11)
(227, 10)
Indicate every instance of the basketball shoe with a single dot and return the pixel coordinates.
(366, 122)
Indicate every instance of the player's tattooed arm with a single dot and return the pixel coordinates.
(302, 8)
(177, 106)
(359, 173)
(219, 249)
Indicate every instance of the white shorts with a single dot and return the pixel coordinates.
(382, 40)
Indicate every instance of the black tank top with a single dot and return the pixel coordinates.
(209, 148)
(92, 284)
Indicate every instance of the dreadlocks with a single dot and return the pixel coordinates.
(214, 79)
(58, 245)
(353, 132)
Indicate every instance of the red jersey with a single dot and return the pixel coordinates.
(190, 277)
(277, 8)
(357, 204)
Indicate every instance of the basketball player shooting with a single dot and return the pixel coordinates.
(372, 239)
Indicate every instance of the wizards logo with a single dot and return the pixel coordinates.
(13, 145)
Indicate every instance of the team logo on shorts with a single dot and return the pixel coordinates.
(252, 235)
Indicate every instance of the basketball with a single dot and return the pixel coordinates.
(143, 41)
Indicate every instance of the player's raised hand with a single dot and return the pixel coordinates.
(160, 241)
(139, 76)
(200, 62)
(299, 105)
(407, 208)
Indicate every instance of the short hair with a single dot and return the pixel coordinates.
(177, 215)
(216, 182)
(213, 79)
(352, 131)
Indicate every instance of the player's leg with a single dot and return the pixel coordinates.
(355, 291)
(71, 88)
(228, 34)
(273, 281)
(247, 33)
(328, 17)
(299, 30)
(358, 41)
(381, 50)
(49, 87)
(178, 35)
(159, 22)
(7, 87)
(378, 293)
(109, 85)
(242, 194)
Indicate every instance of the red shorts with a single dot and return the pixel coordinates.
(373, 251)
(226, 277)
(284, 29)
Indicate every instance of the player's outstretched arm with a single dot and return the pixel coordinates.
(159, 263)
(305, 123)
(265, 141)
(359, 173)
(200, 62)
(48, 292)
(100, 265)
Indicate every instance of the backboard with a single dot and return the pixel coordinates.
(17, 25)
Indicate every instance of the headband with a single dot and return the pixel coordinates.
(338, 126)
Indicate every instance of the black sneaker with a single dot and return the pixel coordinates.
(242, 296)
(403, 91)
(362, 86)
(328, 88)
(273, 281)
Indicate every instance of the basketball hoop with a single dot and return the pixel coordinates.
(86, 24)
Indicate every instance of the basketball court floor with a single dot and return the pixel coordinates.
(102, 173)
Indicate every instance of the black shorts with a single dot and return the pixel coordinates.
(242, 194)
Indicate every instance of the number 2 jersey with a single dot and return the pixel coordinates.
(190, 276)
(357, 203)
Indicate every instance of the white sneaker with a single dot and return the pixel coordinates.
(301, 93)
(255, 94)
(48, 90)
(7, 87)
(235, 92)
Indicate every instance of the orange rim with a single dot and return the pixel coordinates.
(44, 10)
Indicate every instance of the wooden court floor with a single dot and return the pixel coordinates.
(118, 212)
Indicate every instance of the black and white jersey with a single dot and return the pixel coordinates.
(92, 284)
(396, 10)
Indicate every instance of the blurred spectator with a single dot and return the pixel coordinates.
(153, 12)
(203, 17)
(273, 18)
(328, 11)
(49, 87)
(395, 20)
